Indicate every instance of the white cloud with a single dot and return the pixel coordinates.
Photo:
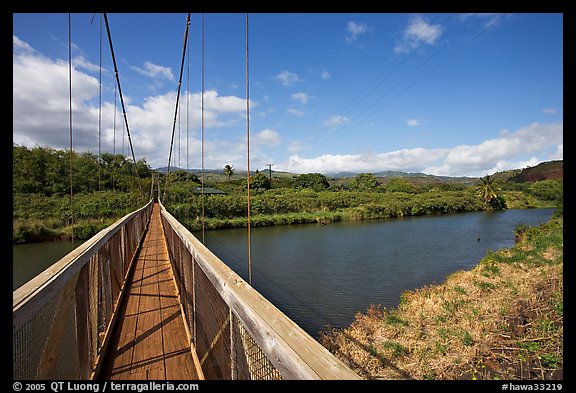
(301, 97)
(288, 78)
(41, 116)
(82, 62)
(354, 30)
(40, 99)
(558, 154)
(154, 71)
(336, 120)
(266, 137)
(418, 32)
(20, 46)
(489, 19)
(412, 122)
(549, 111)
(528, 145)
(325, 75)
(297, 146)
(295, 112)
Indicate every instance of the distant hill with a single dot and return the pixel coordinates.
(413, 177)
(549, 170)
(553, 170)
(217, 173)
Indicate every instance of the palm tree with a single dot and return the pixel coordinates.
(487, 190)
(228, 171)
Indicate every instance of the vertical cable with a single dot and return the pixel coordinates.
(114, 122)
(248, 155)
(100, 112)
(70, 124)
(202, 127)
(187, 100)
(123, 138)
(179, 133)
(177, 103)
(114, 143)
(187, 215)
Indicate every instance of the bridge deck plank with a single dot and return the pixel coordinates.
(150, 341)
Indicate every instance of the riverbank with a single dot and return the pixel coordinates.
(501, 320)
(307, 207)
(45, 218)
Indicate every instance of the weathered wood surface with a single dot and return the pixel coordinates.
(150, 340)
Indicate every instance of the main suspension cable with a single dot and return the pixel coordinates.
(120, 90)
(177, 103)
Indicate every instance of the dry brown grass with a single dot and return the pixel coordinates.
(501, 320)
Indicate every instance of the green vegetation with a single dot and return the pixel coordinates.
(503, 319)
(106, 189)
(103, 191)
(228, 171)
(314, 181)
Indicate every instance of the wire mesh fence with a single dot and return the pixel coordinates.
(61, 317)
(236, 332)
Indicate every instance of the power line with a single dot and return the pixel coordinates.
(354, 124)
(368, 89)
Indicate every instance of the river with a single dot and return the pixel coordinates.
(322, 275)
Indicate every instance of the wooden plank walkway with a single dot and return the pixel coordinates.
(149, 339)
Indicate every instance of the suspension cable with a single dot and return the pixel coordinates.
(202, 128)
(100, 111)
(248, 155)
(177, 102)
(187, 102)
(114, 141)
(70, 125)
(120, 91)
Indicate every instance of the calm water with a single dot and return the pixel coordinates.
(322, 275)
(28, 260)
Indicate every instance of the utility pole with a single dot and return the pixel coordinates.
(270, 172)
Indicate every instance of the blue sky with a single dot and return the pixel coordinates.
(444, 94)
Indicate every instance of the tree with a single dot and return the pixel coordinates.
(364, 181)
(258, 181)
(488, 192)
(400, 184)
(229, 171)
(548, 190)
(315, 181)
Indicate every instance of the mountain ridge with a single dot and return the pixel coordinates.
(547, 170)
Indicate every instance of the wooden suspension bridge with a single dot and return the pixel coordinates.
(144, 299)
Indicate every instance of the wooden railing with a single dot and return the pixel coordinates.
(62, 318)
(237, 333)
